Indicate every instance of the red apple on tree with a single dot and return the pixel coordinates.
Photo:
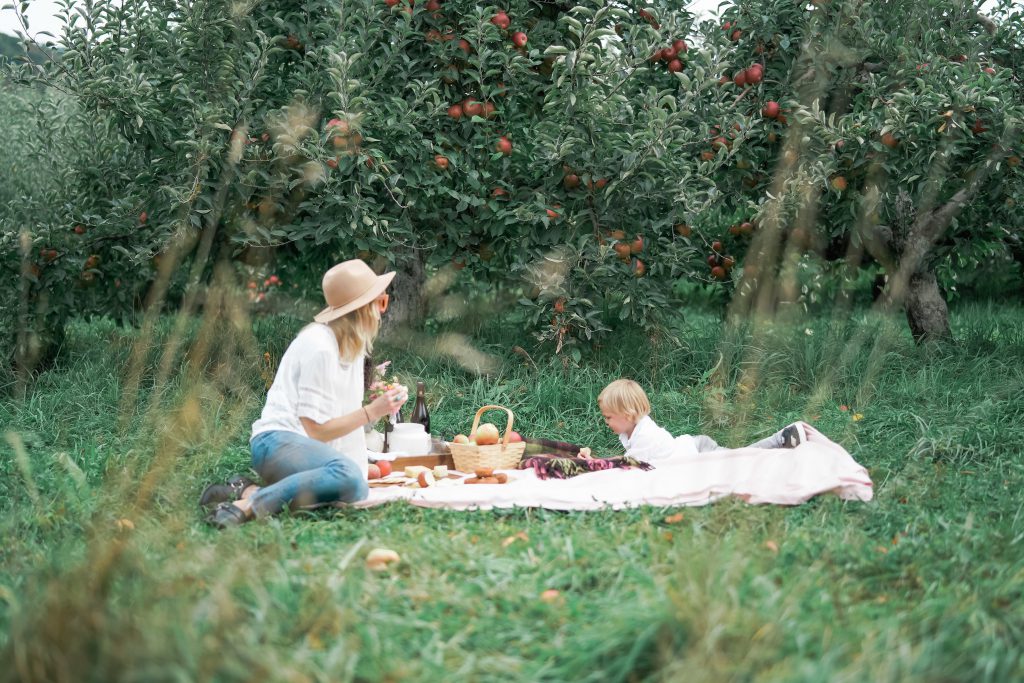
(501, 20)
(504, 145)
(519, 39)
(455, 111)
(441, 162)
(675, 66)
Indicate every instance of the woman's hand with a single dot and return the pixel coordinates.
(391, 401)
(585, 452)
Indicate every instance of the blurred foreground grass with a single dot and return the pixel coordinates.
(107, 574)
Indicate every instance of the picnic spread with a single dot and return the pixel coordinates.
(558, 478)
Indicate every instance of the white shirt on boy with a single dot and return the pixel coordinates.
(312, 381)
(650, 442)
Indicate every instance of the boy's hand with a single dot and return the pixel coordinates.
(585, 452)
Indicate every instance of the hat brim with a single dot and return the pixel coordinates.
(333, 313)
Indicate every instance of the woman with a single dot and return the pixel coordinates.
(308, 445)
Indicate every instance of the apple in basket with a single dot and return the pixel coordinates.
(460, 438)
(487, 434)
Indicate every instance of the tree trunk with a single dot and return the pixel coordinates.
(407, 307)
(927, 312)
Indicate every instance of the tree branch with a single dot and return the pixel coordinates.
(990, 26)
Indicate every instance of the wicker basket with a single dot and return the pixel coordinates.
(501, 456)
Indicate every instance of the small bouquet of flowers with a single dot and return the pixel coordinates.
(380, 384)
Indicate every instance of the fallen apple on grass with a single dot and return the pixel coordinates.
(379, 559)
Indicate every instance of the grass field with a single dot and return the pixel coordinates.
(107, 573)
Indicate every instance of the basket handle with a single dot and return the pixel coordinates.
(508, 425)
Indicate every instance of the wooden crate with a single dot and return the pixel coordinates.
(431, 460)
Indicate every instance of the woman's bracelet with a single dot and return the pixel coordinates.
(368, 420)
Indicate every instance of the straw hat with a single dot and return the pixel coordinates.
(348, 286)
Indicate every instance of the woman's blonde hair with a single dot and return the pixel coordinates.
(356, 331)
(624, 397)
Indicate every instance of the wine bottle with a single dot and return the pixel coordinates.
(420, 413)
(390, 421)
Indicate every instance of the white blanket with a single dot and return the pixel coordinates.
(778, 476)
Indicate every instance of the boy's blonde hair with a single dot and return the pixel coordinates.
(624, 397)
(356, 331)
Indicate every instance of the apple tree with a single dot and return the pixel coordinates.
(887, 132)
(432, 135)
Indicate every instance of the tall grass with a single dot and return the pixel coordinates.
(107, 573)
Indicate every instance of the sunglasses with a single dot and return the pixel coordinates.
(382, 302)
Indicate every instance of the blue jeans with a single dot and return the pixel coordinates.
(299, 471)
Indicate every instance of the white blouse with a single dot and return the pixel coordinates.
(312, 381)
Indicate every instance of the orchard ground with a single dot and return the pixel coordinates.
(108, 573)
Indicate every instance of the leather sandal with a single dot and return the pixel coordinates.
(226, 515)
(214, 494)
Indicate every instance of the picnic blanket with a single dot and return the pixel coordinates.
(756, 475)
